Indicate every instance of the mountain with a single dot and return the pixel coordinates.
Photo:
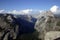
(47, 22)
(27, 18)
(16, 25)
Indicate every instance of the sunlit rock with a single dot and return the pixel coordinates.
(52, 35)
(47, 22)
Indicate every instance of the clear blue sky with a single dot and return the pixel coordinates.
(28, 4)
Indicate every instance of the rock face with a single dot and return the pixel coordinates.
(6, 27)
(47, 22)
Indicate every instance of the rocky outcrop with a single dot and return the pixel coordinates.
(6, 27)
(47, 22)
(52, 35)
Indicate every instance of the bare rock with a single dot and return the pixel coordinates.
(47, 22)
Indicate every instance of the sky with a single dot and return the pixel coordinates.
(27, 5)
